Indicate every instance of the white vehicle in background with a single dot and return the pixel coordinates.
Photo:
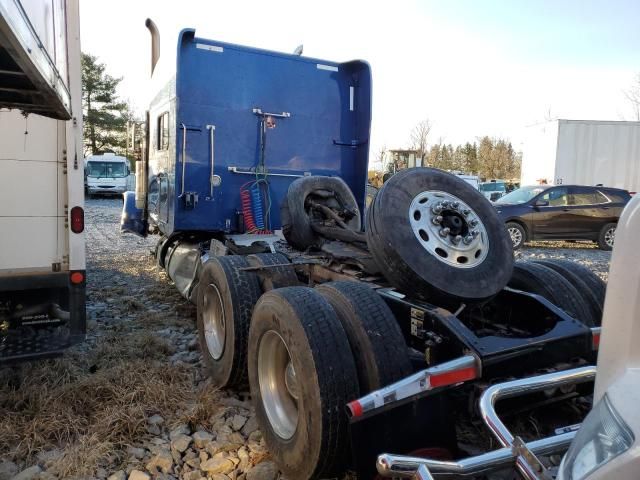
(493, 190)
(107, 174)
(42, 254)
(472, 180)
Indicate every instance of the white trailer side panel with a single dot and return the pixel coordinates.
(539, 154)
(33, 194)
(594, 152)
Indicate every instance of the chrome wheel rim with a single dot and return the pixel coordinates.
(516, 236)
(449, 229)
(610, 236)
(279, 387)
(213, 320)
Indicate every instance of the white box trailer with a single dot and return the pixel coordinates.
(42, 256)
(584, 152)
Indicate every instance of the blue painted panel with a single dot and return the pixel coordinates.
(219, 84)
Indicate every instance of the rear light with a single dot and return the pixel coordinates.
(77, 220)
(77, 278)
(449, 373)
(595, 337)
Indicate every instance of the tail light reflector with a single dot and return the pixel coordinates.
(77, 220)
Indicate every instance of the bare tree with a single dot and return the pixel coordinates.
(382, 154)
(633, 95)
(418, 139)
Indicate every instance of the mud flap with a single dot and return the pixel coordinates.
(402, 429)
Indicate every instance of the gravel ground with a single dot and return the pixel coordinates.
(586, 253)
(133, 402)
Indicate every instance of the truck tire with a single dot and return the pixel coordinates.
(376, 341)
(281, 276)
(226, 296)
(607, 236)
(296, 217)
(295, 334)
(517, 234)
(549, 284)
(410, 233)
(590, 287)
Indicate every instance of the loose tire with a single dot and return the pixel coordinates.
(549, 284)
(278, 277)
(226, 296)
(471, 262)
(590, 287)
(376, 341)
(607, 236)
(302, 375)
(296, 217)
(517, 234)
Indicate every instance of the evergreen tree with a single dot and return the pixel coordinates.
(104, 115)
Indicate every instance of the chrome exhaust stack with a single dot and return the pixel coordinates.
(155, 42)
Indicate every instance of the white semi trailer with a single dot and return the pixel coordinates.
(584, 152)
(42, 256)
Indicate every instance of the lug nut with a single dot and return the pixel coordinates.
(468, 239)
(455, 205)
(437, 220)
(437, 208)
(466, 212)
(475, 233)
(444, 232)
(457, 239)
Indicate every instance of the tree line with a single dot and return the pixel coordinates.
(487, 157)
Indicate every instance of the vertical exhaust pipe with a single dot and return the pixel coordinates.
(155, 42)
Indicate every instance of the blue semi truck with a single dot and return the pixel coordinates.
(357, 333)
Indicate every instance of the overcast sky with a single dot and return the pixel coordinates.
(472, 67)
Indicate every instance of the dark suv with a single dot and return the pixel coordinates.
(563, 212)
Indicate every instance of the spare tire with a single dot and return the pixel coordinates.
(296, 216)
(551, 285)
(436, 237)
(590, 287)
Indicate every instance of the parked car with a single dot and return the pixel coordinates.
(563, 212)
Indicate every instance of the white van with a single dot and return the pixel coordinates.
(106, 174)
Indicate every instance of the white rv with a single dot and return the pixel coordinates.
(107, 174)
(42, 254)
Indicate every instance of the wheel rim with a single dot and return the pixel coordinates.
(213, 320)
(516, 236)
(610, 236)
(449, 229)
(279, 386)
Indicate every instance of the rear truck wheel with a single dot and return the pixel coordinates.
(549, 284)
(590, 287)
(302, 375)
(376, 341)
(297, 215)
(434, 236)
(226, 296)
(607, 236)
(284, 275)
(517, 234)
